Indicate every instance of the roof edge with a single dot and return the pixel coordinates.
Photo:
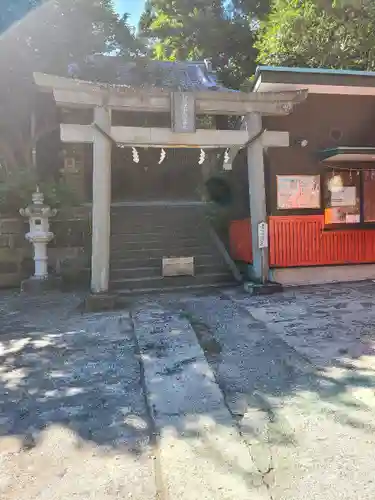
(322, 71)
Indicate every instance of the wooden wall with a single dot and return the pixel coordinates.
(297, 241)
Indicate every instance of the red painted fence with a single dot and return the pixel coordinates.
(301, 241)
(240, 240)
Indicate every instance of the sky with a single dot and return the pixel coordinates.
(132, 7)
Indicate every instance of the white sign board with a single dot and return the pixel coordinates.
(344, 197)
(298, 191)
(178, 266)
(263, 235)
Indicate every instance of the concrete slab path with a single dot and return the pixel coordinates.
(304, 402)
(202, 454)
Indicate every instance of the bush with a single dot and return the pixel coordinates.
(17, 187)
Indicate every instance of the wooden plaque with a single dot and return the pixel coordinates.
(183, 112)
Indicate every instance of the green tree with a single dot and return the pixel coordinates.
(319, 33)
(48, 38)
(250, 9)
(221, 30)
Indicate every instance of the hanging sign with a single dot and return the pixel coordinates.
(183, 112)
(263, 235)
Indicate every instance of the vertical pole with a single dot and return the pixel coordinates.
(258, 211)
(101, 203)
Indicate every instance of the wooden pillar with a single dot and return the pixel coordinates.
(258, 211)
(101, 203)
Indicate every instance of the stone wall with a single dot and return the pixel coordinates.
(69, 253)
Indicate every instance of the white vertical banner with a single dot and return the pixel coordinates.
(262, 235)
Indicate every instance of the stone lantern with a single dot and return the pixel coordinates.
(39, 235)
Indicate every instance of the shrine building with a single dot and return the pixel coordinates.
(190, 184)
(151, 154)
(320, 192)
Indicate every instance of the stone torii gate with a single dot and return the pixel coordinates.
(183, 106)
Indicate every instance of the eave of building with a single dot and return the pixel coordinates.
(315, 80)
(346, 154)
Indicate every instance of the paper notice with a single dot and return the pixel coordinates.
(352, 218)
(345, 197)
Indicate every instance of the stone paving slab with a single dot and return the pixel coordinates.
(202, 454)
(305, 425)
(323, 323)
(284, 410)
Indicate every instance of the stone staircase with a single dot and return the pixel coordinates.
(144, 233)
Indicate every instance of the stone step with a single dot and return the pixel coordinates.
(168, 244)
(158, 227)
(157, 283)
(156, 272)
(143, 235)
(157, 232)
(134, 273)
(176, 289)
(139, 217)
(150, 211)
(122, 253)
(131, 263)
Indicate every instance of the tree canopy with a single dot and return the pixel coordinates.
(73, 29)
(224, 31)
(318, 33)
(235, 34)
(239, 34)
(47, 39)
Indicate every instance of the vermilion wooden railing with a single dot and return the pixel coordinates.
(240, 240)
(301, 241)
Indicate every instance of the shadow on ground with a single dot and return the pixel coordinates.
(59, 366)
(82, 372)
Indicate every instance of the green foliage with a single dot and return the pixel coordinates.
(319, 33)
(47, 39)
(57, 32)
(17, 186)
(221, 30)
(58, 194)
(251, 9)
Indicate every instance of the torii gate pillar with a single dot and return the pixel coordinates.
(257, 193)
(101, 203)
